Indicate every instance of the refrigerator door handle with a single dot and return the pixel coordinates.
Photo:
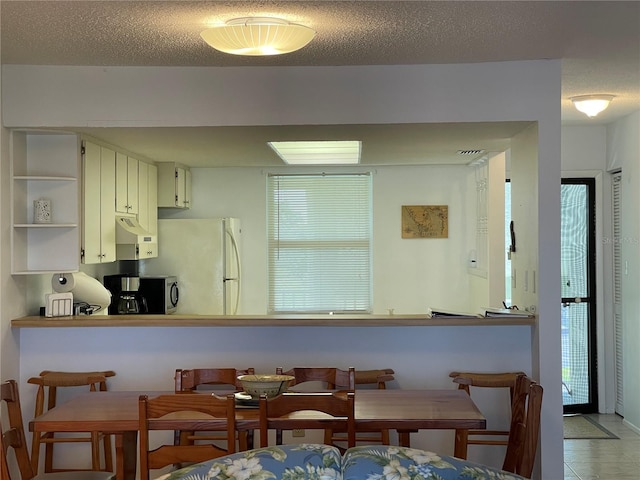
(234, 244)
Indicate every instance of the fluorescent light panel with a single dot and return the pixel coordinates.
(318, 152)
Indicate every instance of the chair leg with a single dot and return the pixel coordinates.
(404, 437)
(48, 454)
(95, 451)
(245, 440)
(48, 449)
(460, 448)
(35, 443)
(108, 454)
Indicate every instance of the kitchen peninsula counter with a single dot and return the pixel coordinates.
(309, 320)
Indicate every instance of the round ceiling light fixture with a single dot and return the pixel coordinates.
(591, 105)
(256, 36)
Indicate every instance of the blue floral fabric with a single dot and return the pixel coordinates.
(384, 462)
(324, 462)
(286, 462)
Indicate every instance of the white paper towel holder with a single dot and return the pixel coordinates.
(91, 292)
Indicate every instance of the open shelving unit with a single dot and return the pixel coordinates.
(45, 164)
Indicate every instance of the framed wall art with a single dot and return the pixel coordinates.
(425, 221)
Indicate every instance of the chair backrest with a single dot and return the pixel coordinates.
(275, 413)
(490, 436)
(184, 412)
(14, 437)
(191, 379)
(331, 378)
(525, 427)
(379, 377)
(48, 383)
(485, 380)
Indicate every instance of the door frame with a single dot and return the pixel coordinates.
(594, 297)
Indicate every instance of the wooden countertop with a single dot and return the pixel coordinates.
(320, 320)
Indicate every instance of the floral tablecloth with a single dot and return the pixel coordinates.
(324, 462)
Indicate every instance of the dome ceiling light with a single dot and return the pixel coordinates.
(591, 105)
(255, 36)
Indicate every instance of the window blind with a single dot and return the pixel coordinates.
(319, 243)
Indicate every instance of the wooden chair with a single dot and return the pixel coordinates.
(524, 430)
(465, 380)
(329, 378)
(48, 383)
(324, 378)
(14, 438)
(276, 413)
(184, 413)
(197, 379)
(379, 379)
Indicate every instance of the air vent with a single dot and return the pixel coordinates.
(470, 152)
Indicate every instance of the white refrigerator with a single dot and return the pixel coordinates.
(204, 255)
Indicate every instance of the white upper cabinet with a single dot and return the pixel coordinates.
(147, 216)
(45, 235)
(99, 220)
(174, 185)
(126, 184)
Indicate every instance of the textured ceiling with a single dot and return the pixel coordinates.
(598, 41)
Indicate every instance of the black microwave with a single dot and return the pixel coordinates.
(161, 293)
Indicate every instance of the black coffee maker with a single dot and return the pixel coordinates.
(125, 296)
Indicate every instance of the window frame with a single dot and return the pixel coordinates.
(340, 240)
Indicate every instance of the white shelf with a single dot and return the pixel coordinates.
(45, 165)
(45, 178)
(45, 225)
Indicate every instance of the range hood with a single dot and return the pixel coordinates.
(132, 241)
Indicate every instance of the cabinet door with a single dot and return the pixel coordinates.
(91, 241)
(143, 195)
(126, 184)
(187, 188)
(174, 185)
(122, 194)
(148, 197)
(153, 200)
(132, 184)
(99, 223)
(180, 187)
(107, 213)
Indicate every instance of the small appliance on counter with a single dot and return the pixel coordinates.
(161, 293)
(89, 296)
(125, 295)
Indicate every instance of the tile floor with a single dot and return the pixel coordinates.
(607, 459)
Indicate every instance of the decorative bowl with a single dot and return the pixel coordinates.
(269, 385)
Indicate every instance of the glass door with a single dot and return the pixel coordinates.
(579, 388)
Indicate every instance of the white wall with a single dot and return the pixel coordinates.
(421, 356)
(512, 91)
(12, 292)
(584, 156)
(623, 149)
(409, 275)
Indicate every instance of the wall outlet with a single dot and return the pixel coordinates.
(297, 432)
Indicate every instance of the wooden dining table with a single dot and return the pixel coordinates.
(402, 410)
